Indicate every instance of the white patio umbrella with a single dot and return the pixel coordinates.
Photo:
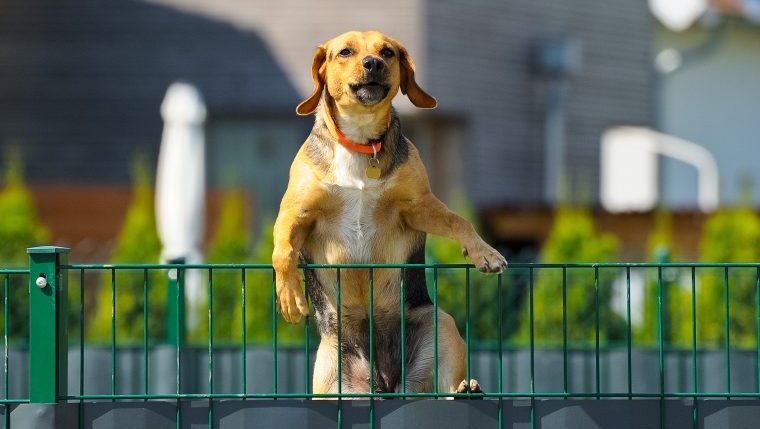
(181, 184)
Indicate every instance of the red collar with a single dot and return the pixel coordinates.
(369, 148)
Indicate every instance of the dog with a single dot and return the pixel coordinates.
(358, 193)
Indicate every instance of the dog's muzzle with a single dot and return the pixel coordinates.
(374, 88)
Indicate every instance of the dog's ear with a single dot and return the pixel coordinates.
(318, 76)
(409, 86)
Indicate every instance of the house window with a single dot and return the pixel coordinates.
(254, 154)
(440, 141)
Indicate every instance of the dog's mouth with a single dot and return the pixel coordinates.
(370, 92)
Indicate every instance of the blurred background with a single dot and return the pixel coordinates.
(572, 131)
(526, 91)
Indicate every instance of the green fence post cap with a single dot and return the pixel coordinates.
(47, 249)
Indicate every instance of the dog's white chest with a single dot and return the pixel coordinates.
(359, 196)
(357, 227)
(350, 169)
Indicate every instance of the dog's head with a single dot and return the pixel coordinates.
(363, 69)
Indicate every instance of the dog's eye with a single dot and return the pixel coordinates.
(386, 52)
(345, 52)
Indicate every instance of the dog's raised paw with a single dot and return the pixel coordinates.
(485, 258)
(291, 301)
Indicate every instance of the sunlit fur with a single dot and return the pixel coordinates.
(333, 213)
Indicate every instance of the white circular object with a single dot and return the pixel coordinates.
(678, 15)
(668, 60)
(41, 282)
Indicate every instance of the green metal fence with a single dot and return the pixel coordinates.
(6, 276)
(49, 341)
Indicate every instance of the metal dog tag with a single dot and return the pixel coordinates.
(373, 169)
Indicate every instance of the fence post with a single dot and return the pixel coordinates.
(48, 311)
(175, 304)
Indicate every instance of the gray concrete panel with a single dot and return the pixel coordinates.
(397, 414)
(45, 416)
(734, 414)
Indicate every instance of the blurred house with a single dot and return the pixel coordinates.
(518, 82)
(712, 97)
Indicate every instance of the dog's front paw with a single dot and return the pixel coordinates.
(291, 301)
(484, 257)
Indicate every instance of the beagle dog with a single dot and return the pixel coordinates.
(358, 193)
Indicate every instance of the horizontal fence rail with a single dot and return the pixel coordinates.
(177, 332)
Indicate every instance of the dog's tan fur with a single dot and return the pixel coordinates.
(334, 214)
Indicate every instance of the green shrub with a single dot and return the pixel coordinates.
(729, 235)
(20, 228)
(137, 243)
(676, 317)
(573, 239)
(231, 243)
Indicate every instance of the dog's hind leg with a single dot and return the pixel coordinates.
(421, 354)
(325, 378)
(451, 354)
(452, 371)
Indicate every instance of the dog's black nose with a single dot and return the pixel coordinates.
(372, 64)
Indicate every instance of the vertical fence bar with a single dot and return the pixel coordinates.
(596, 307)
(371, 347)
(306, 343)
(145, 332)
(178, 340)
(48, 315)
(628, 323)
(728, 334)
(371, 309)
(532, 352)
(501, 354)
(274, 334)
(113, 332)
(244, 369)
(660, 341)
(306, 351)
(694, 374)
(340, 351)
(757, 316)
(6, 322)
(210, 347)
(467, 323)
(435, 330)
(175, 308)
(402, 305)
(81, 335)
(81, 346)
(564, 329)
